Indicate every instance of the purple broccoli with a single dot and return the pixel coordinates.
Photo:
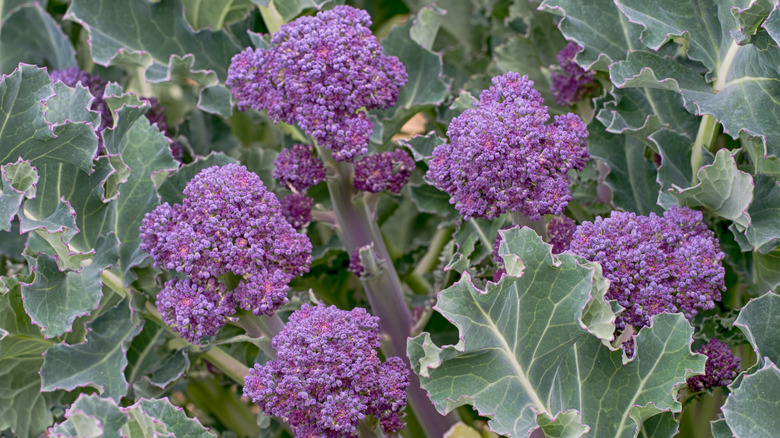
(323, 73)
(388, 170)
(298, 167)
(574, 82)
(502, 156)
(722, 367)
(560, 232)
(296, 209)
(227, 225)
(654, 264)
(327, 376)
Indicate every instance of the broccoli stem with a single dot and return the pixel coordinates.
(271, 17)
(384, 290)
(262, 326)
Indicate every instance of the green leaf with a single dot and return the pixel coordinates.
(55, 299)
(720, 429)
(18, 182)
(742, 98)
(477, 230)
(70, 104)
(426, 26)
(215, 14)
(750, 16)
(206, 133)
(174, 419)
(519, 54)
(566, 424)
(768, 270)
(662, 425)
(429, 199)
(675, 170)
(632, 178)
(772, 24)
(111, 416)
(99, 362)
(78, 424)
(523, 349)
(599, 27)
(641, 112)
(31, 36)
(290, 9)
(422, 146)
(695, 20)
(425, 86)
(759, 320)
(23, 407)
(158, 31)
(25, 132)
(764, 230)
(723, 189)
(751, 409)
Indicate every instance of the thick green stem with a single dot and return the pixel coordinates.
(384, 292)
(271, 17)
(262, 326)
(367, 431)
(431, 258)
(705, 138)
(226, 363)
(212, 397)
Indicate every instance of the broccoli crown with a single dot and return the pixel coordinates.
(722, 367)
(560, 231)
(654, 264)
(388, 170)
(502, 157)
(228, 224)
(570, 85)
(327, 375)
(298, 167)
(321, 72)
(296, 209)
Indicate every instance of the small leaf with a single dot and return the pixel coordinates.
(759, 320)
(422, 146)
(215, 14)
(30, 35)
(723, 189)
(99, 362)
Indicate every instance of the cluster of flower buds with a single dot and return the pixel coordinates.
(227, 227)
(722, 367)
(573, 82)
(327, 376)
(322, 72)
(503, 157)
(389, 170)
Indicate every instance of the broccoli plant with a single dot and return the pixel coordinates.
(323, 218)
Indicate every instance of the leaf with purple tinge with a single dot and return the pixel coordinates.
(524, 350)
(100, 361)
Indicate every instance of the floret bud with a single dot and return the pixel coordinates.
(322, 72)
(327, 375)
(560, 232)
(389, 170)
(298, 167)
(721, 368)
(296, 209)
(574, 82)
(502, 156)
(195, 309)
(229, 224)
(654, 264)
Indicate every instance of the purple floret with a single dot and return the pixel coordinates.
(229, 224)
(722, 367)
(574, 82)
(195, 309)
(388, 170)
(298, 167)
(560, 232)
(654, 264)
(296, 209)
(327, 376)
(502, 157)
(323, 73)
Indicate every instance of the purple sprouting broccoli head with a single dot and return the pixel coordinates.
(323, 73)
(388, 170)
(327, 376)
(503, 157)
(299, 167)
(97, 86)
(574, 82)
(560, 232)
(722, 367)
(296, 209)
(655, 264)
(228, 224)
